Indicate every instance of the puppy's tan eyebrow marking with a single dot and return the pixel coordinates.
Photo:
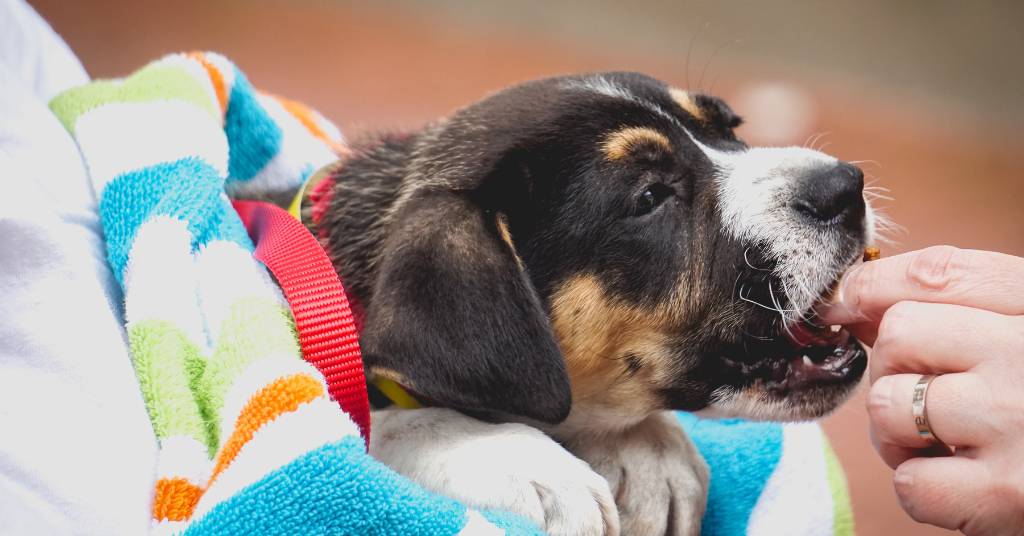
(686, 100)
(621, 143)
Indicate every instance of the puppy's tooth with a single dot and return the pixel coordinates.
(808, 362)
(835, 328)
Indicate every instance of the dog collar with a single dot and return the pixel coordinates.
(309, 186)
(396, 393)
(312, 193)
(324, 323)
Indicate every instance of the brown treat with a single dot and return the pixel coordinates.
(871, 253)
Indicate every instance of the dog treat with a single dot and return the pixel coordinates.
(871, 253)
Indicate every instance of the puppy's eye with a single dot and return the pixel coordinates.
(651, 197)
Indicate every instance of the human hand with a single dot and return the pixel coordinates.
(958, 314)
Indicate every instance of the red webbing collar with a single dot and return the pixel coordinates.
(323, 319)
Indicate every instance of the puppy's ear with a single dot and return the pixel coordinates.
(455, 318)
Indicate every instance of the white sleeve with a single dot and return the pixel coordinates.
(77, 452)
(36, 55)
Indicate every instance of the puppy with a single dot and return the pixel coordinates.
(580, 254)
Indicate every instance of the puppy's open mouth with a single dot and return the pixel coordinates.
(801, 356)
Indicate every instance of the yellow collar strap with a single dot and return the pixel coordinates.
(396, 393)
(295, 207)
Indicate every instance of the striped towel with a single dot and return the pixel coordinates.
(249, 440)
(769, 479)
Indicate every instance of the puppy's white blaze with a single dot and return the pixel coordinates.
(602, 86)
(756, 187)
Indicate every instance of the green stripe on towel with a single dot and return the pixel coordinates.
(254, 329)
(842, 513)
(155, 82)
(167, 363)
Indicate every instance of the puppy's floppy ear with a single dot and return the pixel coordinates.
(455, 318)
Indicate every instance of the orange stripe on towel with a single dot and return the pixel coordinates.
(282, 396)
(215, 78)
(175, 499)
(307, 117)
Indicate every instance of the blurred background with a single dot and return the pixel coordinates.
(927, 93)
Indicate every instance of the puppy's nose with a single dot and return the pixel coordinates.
(833, 195)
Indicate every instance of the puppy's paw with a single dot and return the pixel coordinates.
(659, 479)
(510, 467)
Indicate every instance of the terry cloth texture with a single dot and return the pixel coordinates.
(249, 441)
(770, 478)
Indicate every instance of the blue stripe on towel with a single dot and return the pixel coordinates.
(742, 456)
(335, 489)
(254, 138)
(512, 524)
(188, 189)
(224, 224)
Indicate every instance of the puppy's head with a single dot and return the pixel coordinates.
(611, 235)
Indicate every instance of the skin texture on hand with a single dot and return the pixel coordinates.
(958, 314)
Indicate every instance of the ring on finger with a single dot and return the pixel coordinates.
(919, 408)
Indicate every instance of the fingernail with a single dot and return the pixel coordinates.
(838, 309)
(903, 485)
(903, 477)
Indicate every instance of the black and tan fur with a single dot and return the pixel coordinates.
(505, 251)
(560, 247)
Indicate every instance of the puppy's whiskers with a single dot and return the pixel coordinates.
(872, 162)
(761, 305)
(802, 315)
(746, 259)
(784, 318)
(814, 139)
(871, 194)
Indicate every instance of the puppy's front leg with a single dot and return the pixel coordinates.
(507, 466)
(659, 479)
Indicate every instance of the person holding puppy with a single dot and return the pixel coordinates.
(947, 413)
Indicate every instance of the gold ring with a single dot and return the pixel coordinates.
(919, 407)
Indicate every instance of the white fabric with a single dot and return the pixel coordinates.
(77, 453)
(120, 138)
(796, 499)
(34, 54)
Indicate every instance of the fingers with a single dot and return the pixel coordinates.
(947, 492)
(894, 455)
(866, 332)
(980, 279)
(957, 410)
(939, 338)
